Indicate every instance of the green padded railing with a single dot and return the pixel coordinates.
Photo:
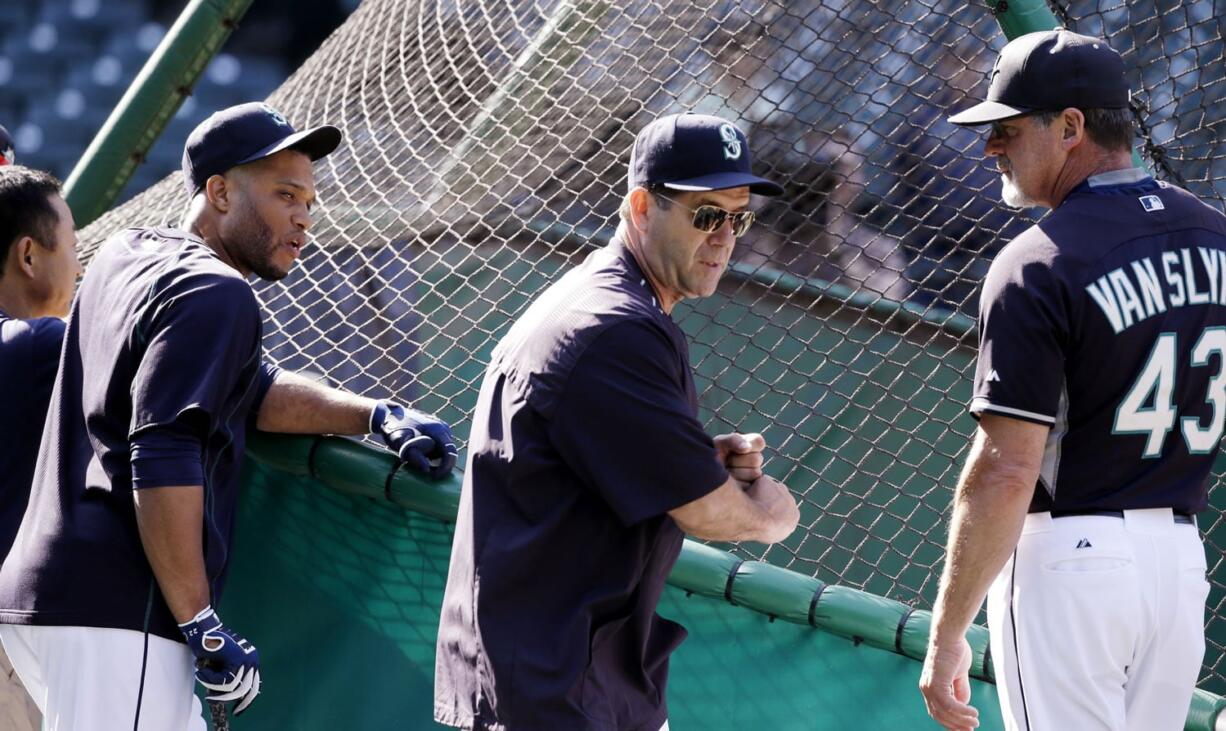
(352, 467)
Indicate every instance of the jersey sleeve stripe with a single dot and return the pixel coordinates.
(980, 405)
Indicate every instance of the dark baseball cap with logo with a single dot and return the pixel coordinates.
(246, 133)
(1049, 71)
(694, 152)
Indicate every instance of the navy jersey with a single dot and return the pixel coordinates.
(29, 355)
(163, 337)
(1107, 322)
(584, 436)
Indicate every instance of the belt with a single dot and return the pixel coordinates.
(1180, 517)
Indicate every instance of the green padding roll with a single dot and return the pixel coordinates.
(286, 453)
(1203, 715)
(702, 569)
(379, 584)
(351, 467)
(980, 666)
(913, 640)
(774, 591)
(437, 499)
(859, 616)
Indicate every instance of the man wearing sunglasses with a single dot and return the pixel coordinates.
(587, 463)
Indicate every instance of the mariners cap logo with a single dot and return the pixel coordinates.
(275, 115)
(732, 143)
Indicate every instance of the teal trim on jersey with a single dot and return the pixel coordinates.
(1153, 353)
(1220, 380)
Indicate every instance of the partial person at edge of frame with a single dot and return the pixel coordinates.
(122, 553)
(38, 275)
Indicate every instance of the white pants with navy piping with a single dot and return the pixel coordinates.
(1097, 623)
(90, 678)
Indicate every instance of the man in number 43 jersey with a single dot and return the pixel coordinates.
(1100, 392)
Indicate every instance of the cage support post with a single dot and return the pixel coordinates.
(148, 105)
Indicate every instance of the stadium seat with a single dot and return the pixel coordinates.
(91, 18)
(14, 16)
(134, 49)
(22, 79)
(46, 46)
(103, 82)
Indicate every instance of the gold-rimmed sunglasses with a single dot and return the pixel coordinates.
(708, 218)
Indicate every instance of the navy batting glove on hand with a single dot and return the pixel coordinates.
(226, 664)
(422, 441)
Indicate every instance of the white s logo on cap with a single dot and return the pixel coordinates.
(732, 143)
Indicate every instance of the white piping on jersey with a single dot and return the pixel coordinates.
(982, 404)
(1050, 468)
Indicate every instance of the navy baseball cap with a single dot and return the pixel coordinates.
(246, 133)
(8, 152)
(1048, 71)
(694, 152)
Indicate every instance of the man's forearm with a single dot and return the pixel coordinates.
(170, 521)
(297, 405)
(989, 509)
(764, 511)
(724, 515)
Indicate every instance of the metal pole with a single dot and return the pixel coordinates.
(148, 105)
(1019, 17)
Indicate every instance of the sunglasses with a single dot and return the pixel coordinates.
(709, 218)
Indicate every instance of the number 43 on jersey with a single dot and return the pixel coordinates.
(1156, 385)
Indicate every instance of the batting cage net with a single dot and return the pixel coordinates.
(486, 145)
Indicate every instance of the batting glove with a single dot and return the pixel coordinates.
(226, 664)
(422, 441)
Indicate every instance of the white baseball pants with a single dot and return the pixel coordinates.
(90, 678)
(1098, 622)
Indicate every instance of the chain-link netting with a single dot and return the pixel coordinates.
(486, 149)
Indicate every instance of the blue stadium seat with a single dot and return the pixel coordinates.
(229, 80)
(14, 16)
(103, 82)
(92, 18)
(66, 117)
(135, 48)
(19, 80)
(46, 46)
